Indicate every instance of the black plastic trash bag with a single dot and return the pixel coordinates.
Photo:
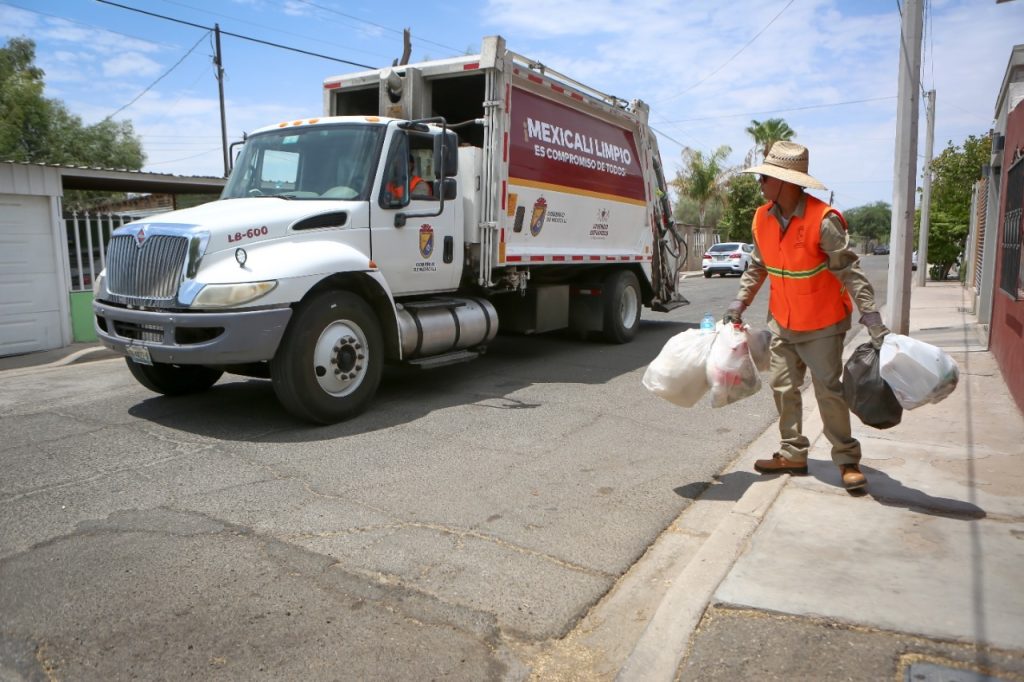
(866, 393)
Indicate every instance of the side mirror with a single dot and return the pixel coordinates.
(232, 154)
(446, 154)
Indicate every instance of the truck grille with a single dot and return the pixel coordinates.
(148, 275)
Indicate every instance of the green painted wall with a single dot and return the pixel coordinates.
(82, 329)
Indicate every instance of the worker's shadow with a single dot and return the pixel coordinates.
(887, 490)
(727, 487)
(882, 488)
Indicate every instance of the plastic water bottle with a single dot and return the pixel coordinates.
(707, 325)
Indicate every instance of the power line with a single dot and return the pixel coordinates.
(779, 111)
(79, 23)
(185, 158)
(727, 61)
(380, 26)
(165, 73)
(669, 138)
(268, 28)
(235, 35)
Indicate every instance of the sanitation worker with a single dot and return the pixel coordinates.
(418, 187)
(801, 244)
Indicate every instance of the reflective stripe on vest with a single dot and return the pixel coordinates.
(804, 295)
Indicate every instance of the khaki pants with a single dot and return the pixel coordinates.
(824, 357)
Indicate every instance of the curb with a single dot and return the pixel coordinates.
(665, 640)
(77, 356)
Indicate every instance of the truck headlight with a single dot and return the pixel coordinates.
(99, 284)
(227, 295)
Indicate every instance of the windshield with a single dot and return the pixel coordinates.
(308, 162)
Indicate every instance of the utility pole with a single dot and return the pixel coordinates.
(220, 89)
(901, 239)
(926, 197)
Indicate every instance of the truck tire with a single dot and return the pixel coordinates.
(169, 379)
(330, 362)
(621, 292)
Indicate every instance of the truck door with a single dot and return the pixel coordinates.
(423, 255)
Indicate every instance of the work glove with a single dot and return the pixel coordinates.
(877, 330)
(734, 313)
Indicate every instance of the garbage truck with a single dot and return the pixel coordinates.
(431, 205)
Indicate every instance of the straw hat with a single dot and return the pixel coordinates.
(788, 162)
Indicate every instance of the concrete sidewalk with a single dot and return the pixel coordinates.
(922, 578)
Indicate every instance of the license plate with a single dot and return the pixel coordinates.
(719, 257)
(139, 354)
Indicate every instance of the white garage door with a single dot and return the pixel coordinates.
(30, 292)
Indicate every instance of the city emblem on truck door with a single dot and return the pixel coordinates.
(426, 240)
(540, 210)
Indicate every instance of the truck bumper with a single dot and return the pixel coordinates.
(215, 339)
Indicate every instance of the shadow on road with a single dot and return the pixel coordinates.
(247, 410)
(726, 488)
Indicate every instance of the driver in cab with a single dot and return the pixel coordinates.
(418, 187)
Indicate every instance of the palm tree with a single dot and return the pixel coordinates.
(703, 178)
(767, 133)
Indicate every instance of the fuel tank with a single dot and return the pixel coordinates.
(442, 325)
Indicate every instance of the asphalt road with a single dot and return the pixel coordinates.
(474, 511)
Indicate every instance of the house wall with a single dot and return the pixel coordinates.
(34, 306)
(1007, 326)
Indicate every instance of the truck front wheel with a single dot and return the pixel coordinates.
(621, 291)
(330, 362)
(173, 379)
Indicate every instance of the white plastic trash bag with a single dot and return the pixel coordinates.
(678, 373)
(731, 371)
(759, 341)
(918, 372)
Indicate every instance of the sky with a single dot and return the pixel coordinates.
(707, 68)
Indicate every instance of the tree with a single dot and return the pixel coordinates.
(743, 196)
(688, 213)
(871, 222)
(703, 178)
(767, 133)
(24, 112)
(955, 171)
(36, 129)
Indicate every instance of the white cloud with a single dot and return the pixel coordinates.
(296, 9)
(541, 18)
(16, 22)
(97, 40)
(130, 63)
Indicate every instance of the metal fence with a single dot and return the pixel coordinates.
(698, 241)
(88, 234)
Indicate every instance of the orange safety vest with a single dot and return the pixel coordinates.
(804, 295)
(416, 180)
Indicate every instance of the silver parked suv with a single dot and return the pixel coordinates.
(727, 257)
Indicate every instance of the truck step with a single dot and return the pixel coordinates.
(444, 359)
(431, 303)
